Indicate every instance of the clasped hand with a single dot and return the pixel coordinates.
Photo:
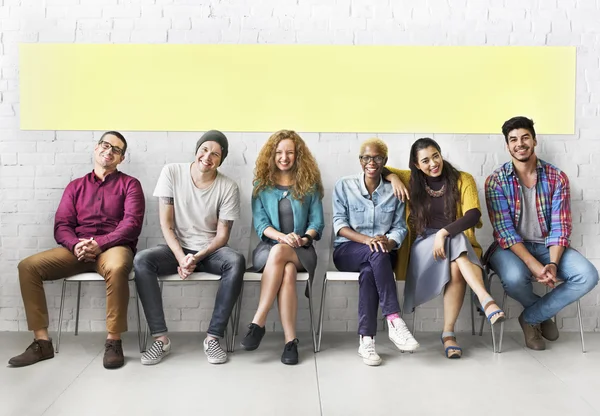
(87, 250)
(291, 239)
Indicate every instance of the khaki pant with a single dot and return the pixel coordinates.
(113, 264)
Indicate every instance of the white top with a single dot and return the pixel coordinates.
(196, 211)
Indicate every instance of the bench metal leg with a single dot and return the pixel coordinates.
(60, 314)
(472, 312)
(320, 329)
(237, 311)
(310, 310)
(77, 310)
(137, 315)
(580, 326)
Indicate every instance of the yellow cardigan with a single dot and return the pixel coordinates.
(469, 199)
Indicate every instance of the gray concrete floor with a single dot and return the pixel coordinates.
(558, 381)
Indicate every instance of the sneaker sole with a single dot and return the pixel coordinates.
(369, 362)
(156, 361)
(372, 363)
(250, 348)
(406, 348)
(217, 361)
(289, 362)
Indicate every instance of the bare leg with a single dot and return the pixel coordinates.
(454, 296)
(272, 278)
(288, 302)
(473, 275)
(41, 334)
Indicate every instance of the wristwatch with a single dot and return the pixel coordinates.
(310, 240)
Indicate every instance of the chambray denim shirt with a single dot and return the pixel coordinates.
(383, 215)
(308, 215)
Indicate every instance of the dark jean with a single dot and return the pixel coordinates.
(158, 261)
(579, 276)
(377, 283)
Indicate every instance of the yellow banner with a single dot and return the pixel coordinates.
(376, 89)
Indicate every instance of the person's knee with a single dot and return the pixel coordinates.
(26, 265)
(144, 262)
(378, 257)
(117, 270)
(588, 277)
(236, 262)
(279, 253)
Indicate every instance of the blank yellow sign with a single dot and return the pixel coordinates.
(303, 87)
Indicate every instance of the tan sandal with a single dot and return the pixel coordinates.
(452, 351)
(494, 316)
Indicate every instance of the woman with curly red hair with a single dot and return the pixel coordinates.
(288, 215)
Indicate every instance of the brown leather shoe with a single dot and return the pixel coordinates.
(549, 330)
(533, 335)
(113, 354)
(39, 350)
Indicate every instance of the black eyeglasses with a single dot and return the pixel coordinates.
(116, 150)
(365, 160)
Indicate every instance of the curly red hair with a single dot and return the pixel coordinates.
(305, 169)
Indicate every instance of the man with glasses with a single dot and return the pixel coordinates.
(97, 225)
(197, 207)
(369, 226)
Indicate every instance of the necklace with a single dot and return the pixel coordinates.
(435, 194)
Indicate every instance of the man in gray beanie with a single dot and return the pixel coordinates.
(197, 207)
(215, 136)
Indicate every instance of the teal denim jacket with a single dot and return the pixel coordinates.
(308, 215)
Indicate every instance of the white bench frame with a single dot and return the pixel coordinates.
(86, 278)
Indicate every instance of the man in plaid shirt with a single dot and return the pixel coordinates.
(529, 205)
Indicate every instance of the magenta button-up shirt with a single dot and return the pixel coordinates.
(111, 211)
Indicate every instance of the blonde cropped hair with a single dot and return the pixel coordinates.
(306, 171)
(376, 143)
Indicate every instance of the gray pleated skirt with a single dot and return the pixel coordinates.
(426, 277)
(306, 255)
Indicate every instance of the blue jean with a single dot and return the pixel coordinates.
(579, 276)
(377, 283)
(153, 262)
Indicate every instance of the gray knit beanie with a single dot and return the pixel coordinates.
(215, 136)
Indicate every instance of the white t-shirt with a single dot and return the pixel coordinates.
(196, 211)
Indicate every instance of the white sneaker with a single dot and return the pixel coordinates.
(366, 349)
(401, 336)
(156, 352)
(214, 352)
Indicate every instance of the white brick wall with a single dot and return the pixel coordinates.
(35, 166)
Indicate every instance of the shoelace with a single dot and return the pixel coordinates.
(289, 345)
(111, 346)
(369, 347)
(252, 329)
(403, 331)
(35, 346)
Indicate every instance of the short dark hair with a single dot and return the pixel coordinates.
(518, 122)
(119, 136)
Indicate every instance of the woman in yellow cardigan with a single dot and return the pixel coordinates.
(444, 211)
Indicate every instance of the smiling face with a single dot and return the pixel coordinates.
(208, 157)
(372, 162)
(521, 144)
(430, 162)
(108, 153)
(285, 155)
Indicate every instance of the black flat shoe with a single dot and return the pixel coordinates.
(290, 352)
(253, 337)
